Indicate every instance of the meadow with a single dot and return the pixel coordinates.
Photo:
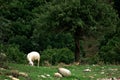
(97, 72)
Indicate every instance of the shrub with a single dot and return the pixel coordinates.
(55, 56)
(109, 53)
(95, 59)
(14, 54)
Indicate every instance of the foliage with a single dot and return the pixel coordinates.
(95, 59)
(110, 47)
(110, 52)
(5, 30)
(14, 55)
(88, 14)
(55, 56)
(24, 43)
(39, 24)
(117, 6)
(81, 18)
(42, 40)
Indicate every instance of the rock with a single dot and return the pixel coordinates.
(76, 63)
(113, 69)
(14, 73)
(47, 75)
(107, 79)
(91, 77)
(114, 78)
(87, 70)
(58, 75)
(23, 74)
(2, 69)
(102, 72)
(13, 78)
(43, 76)
(65, 72)
(47, 63)
(3, 57)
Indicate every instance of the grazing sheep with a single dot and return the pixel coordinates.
(33, 56)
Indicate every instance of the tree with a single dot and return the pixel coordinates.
(81, 18)
(109, 49)
(5, 31)
(16, 26)
(117, 6)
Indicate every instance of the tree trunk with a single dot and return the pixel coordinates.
(77, 50)
(77, 35)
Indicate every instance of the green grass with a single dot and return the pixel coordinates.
(34, 72)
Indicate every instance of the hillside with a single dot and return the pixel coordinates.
(26, 72)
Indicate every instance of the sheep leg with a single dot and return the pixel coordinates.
(38, 62)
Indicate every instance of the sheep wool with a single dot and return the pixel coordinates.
(33, 56)
(65, 72)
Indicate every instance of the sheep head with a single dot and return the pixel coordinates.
(31, 63)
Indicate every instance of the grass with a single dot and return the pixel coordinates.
(34, 72)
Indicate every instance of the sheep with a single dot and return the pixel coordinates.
(33, 56)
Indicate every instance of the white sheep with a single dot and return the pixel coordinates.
(33, 56)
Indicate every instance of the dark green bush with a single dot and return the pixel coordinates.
(14, 55)
(95, 59)
(55, 56)
(110, 53)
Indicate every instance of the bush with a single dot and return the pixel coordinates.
(14, 54)
(55, 56)
(110, 53)
(95, 59)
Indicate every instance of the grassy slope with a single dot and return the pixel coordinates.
(77, 72)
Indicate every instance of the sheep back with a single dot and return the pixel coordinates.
(33, 56)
